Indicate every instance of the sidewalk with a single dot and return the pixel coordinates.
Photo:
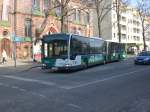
(21, 65)
(131, 56)
(30, 64)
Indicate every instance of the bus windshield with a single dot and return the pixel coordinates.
(56, 49)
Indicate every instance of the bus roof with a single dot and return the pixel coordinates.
(59, 36)
(97, 38)
(113, 41)
(63, 36)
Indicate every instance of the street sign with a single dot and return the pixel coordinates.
(21, 39)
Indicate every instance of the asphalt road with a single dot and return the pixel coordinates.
(114, 87)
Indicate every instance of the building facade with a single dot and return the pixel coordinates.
(130, 23)
(147, 32)
(23, 21)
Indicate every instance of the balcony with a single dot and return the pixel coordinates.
(123, 22)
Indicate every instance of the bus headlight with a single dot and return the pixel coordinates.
(67, 65)
(43, 65)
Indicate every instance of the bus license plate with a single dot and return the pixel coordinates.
(54, 68)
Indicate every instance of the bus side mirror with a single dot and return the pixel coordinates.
(73, 56)
(104, 53)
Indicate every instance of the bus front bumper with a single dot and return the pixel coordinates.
(64, 68)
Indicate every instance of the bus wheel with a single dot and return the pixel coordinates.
(104, 62)
(86, 65)
(43, 67)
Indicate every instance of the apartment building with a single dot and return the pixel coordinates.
(147, 32)
(131, 30)
(130, 23)
(5, 29)
(25, 20)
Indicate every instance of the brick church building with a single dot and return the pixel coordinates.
(24, 19)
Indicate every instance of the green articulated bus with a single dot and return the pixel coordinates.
(70, 52)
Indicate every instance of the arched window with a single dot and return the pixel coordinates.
(57, 9)
(87, 18)
(78, 15)
(47, 4)
(5, 10)
(36, 4)
(28, 27)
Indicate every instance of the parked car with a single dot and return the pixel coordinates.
(143, 58)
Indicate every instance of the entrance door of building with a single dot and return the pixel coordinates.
(6, 45)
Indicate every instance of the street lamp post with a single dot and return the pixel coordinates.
(14, 49)
(14, 35)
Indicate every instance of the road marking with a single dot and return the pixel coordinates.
(33, 81)
(70, 87)
(29, 80)
(74, 106)
(4, 85)
(23, 90)
(15, 87)
(102, 80)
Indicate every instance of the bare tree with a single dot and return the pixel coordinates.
(67, 10)
(120, 6)
(102, 8)
(59, 8)
(144, 12)
(63, 10)
(49, 10)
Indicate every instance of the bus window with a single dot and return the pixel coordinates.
(92, 46)
(45, 50)
(58, 48)
(79, 46)
(76, 47)
(50, 50)
(99, 46)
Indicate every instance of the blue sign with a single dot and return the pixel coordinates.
(19, 39)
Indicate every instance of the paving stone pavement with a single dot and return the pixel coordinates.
(141, 104)
(21, 65)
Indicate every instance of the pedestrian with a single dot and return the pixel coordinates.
(4, 56)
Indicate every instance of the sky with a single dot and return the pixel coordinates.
(133, 2)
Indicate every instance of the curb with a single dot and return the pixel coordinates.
(28, 69)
